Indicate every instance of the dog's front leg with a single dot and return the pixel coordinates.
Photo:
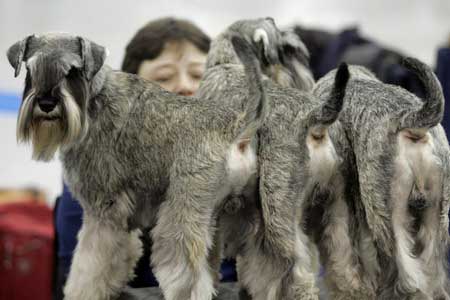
(103, 262)
(182, 238)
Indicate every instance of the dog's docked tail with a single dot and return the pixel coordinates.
(326, 114)
(256, 106)
(432, 110)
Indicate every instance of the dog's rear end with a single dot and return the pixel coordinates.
(270, 249)
(418, 193)
(400, 157)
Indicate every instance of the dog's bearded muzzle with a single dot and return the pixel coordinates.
(49, 122)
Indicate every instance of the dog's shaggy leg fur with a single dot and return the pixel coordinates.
(417, 186)
(270, 266)
(343, 271)
(180, 258)
(215, 256)
(266, 280)
(104, 260)
(183, 235)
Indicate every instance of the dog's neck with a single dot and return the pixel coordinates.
(222, 52)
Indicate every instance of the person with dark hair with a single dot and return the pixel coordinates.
(172, 53)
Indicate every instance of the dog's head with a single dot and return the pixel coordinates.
(293, 70)
(60, 69)
(283, 56)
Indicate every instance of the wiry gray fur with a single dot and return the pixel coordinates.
(135, 156)
(283, 56)
(381, 226)
(261, 227)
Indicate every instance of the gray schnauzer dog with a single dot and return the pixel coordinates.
(293, 153)
(135, 156)
(382, 226)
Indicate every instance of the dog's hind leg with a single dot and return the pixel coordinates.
(268, 276)
(215, 255)
(343, 272)
(182, 237)
(275, 263)
(422, 173)
(104, 260)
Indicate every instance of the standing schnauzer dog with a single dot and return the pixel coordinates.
(135, 156)
(293, 153)
(382, 226)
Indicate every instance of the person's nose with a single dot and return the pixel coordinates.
(185, 86)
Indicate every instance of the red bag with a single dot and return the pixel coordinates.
(26, 251)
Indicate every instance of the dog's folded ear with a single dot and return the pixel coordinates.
(266, 38)
(292, 45)
(93, 57)
(17, 53)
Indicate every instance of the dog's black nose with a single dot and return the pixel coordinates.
(47, 104)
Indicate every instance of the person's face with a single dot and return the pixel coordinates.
(178, 68)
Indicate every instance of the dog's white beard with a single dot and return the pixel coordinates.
(47, 136)
(24, 120)
(73, 118)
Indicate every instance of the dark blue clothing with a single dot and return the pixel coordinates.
(336, 48)
(443, 74)
(328, 50)
(68, 221)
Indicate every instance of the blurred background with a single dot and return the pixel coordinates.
(413, 27)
